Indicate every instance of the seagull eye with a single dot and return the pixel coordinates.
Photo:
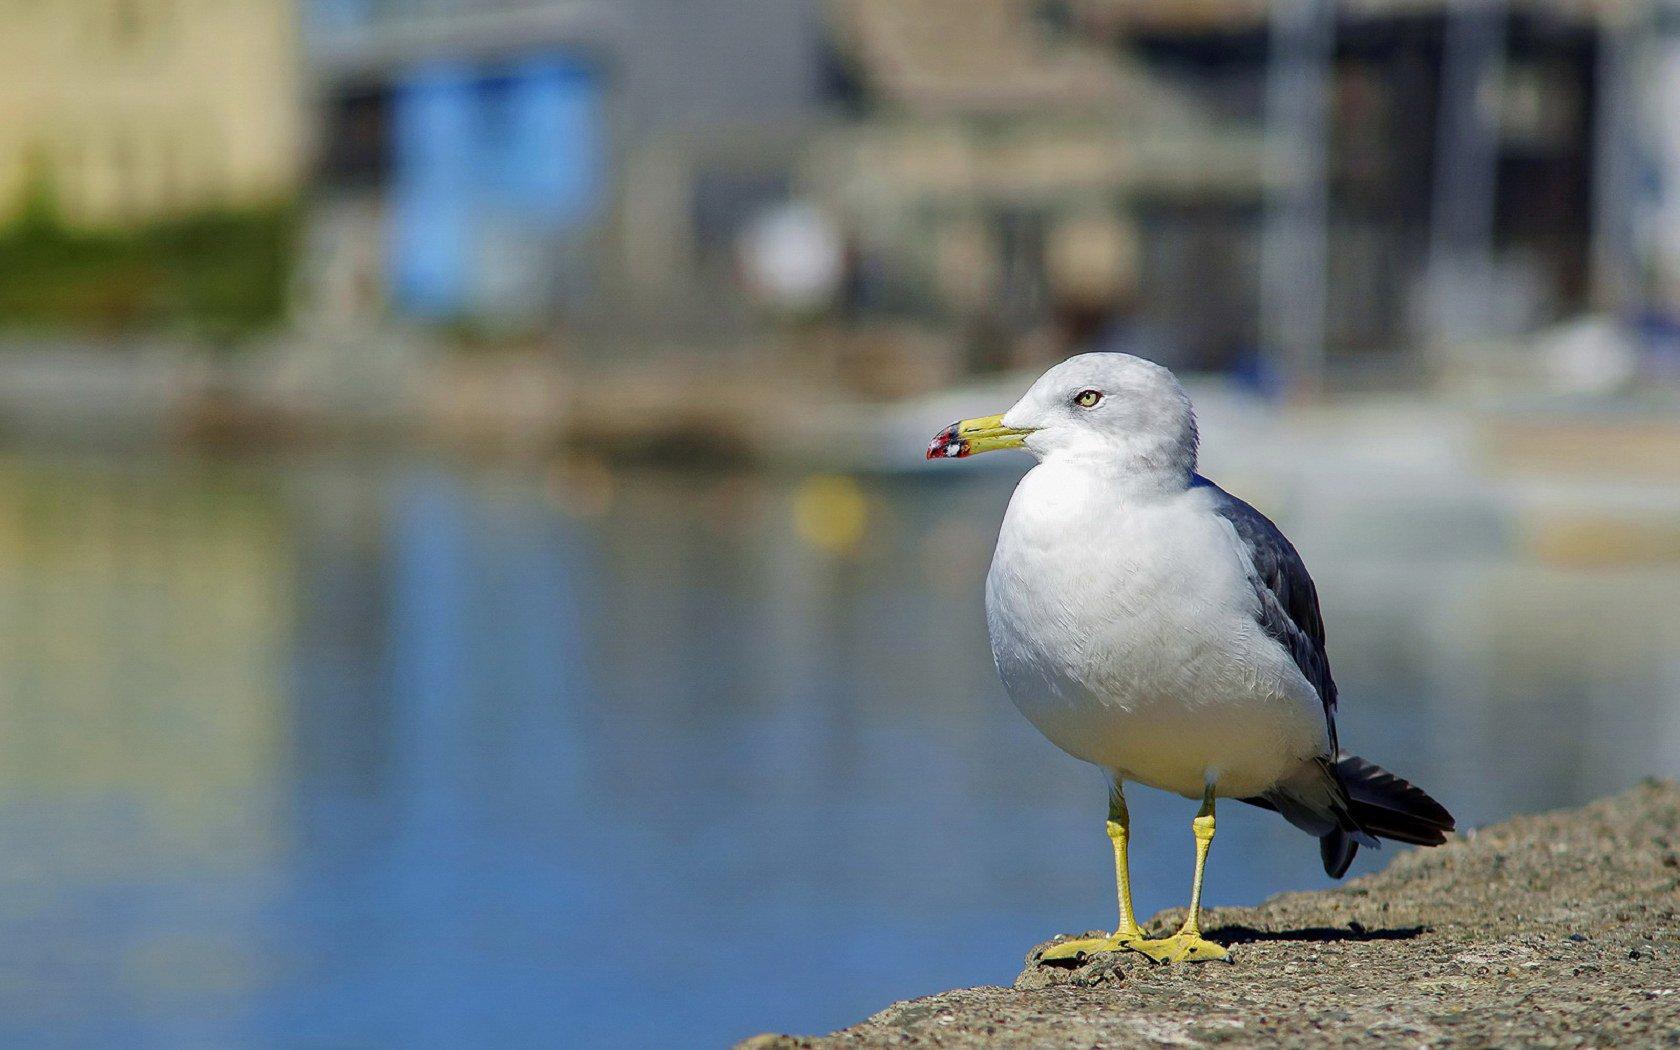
(1087, 398)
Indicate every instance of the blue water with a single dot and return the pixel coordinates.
(398, 754)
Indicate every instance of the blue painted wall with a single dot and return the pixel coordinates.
(519, 146)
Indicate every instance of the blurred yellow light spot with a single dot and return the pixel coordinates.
(830, 513)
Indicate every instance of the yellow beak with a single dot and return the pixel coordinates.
(966, 437)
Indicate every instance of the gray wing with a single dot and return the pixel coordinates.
(1288, 600)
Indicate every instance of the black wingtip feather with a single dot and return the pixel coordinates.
(1391, 808)
(1379, 804)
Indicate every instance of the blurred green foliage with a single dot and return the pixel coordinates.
(217, 275)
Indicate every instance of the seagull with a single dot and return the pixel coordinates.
(1156, 626)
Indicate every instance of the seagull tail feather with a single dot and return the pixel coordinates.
(1353, 803)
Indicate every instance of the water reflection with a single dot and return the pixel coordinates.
(395, 754)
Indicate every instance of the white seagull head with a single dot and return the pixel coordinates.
(1113, 412)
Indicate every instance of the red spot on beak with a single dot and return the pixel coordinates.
(947, 445)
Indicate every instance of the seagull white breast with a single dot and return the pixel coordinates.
(1124, 625)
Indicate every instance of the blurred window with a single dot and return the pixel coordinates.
(1224, 71)
(491, 171)
(357, 138)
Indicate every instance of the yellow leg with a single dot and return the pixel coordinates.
(1128, 932)
(1188, 944)
(1120, 831)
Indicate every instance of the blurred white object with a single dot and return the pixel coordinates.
(1589, 355)
(791, 257)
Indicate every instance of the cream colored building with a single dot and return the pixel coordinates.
(128, 110)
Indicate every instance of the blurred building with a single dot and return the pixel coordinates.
(1286, 189)
(121, 111)
(1449, 156)
(523, 160)
(1013, 165)
(641, 164)
(1293, 190)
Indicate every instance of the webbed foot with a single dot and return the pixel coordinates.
(1084, 947)
(1182, 946)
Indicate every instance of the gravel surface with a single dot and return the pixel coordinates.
(1561, 929)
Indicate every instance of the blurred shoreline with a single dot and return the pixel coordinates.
(764, 401)
(1581, 479)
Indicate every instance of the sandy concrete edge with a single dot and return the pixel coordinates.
(1559, 929)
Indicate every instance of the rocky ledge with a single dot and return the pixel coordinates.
(1561, 929)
